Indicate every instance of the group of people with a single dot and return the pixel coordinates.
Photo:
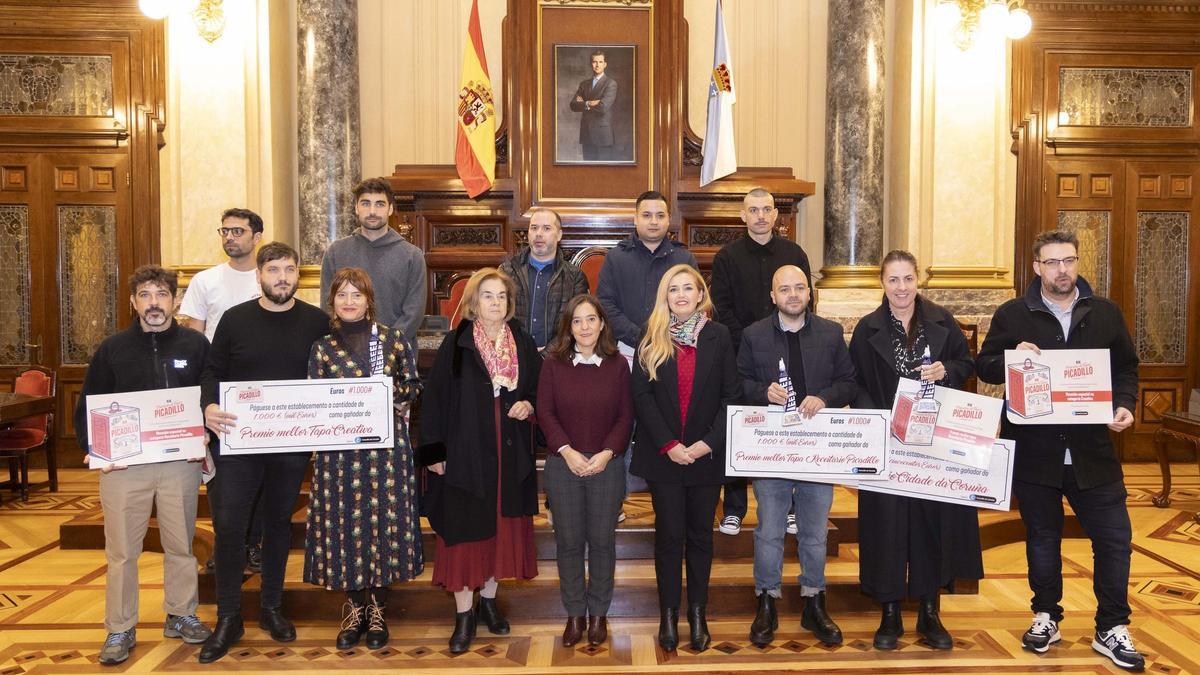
(655, 355)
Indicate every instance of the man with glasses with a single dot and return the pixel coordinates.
(1077, 462)
(741, 293)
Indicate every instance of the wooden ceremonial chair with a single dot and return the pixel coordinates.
(449, 306)
(590, 260)
(30, 434)
(970, 331)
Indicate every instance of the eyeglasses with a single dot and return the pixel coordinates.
(1056, 262)
(235, 231)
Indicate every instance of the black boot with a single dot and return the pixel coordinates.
(377, 630)
(929, 625)
(354, 624)
(816, 619)
(766, 621)
(490, 613)
(279, 626)
(891, 626)
(668, 629)
(464, 631)
(225, 634)
(699, 625)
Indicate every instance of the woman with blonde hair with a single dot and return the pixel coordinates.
(477, 440)
(683, 377)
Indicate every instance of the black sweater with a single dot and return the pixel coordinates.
(252, 343)
(741, 280)
(134, 360)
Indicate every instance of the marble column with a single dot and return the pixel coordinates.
(330, 160)
(854, 164)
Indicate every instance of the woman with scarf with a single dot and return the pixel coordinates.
(364, 531)
(910, 547)
(684, 375)
(477, 440)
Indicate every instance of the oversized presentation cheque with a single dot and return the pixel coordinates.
(144, 427)
(837, 445)
(912, 474)
(1058, 386)
(958, 427)
(305, 415)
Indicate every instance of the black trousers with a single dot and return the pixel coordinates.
(683, 521)
(254, 534)
(1102, 514)
(242, 477)
(735, 498)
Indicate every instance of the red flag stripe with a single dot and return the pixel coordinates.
(477, 36)
(471, 172)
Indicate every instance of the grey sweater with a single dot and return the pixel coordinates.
(397, 271)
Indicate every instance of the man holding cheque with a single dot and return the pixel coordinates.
(154, 353)
(812, 353)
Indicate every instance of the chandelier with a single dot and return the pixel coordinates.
(968, 17)
(208, 16)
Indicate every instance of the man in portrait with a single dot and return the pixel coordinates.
(594, 98)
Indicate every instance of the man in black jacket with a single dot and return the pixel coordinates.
(742, 275)
(817, 361)
(1078, 462)
(154, 353)
(545, 281)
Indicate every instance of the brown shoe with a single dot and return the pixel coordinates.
(573, 633)
(597, 630)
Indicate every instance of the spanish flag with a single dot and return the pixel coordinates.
(475, 147)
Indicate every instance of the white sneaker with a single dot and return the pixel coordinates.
(1116, 644)
(731, 525)
(1042, 634)
(791, 524)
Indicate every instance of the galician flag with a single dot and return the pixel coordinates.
(475, 146)
(720, 159)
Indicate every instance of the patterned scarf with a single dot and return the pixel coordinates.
(499, 356)
(908, 358)
(685, 333)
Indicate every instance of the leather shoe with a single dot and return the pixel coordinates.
(816, 619)
(228, 631)
(597, 630)
(766, 621)
(464, 632)
(891, 626)
(354, 624)
(573, 633)
(490, 613)
(699, 625)
(279, 626)
(929, 625)
(668, 629)
(377, 630)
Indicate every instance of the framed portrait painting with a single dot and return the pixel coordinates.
(595, 98)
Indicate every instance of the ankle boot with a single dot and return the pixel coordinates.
(699, 625)
(573, 632)
(354, 624)
(891, 626)
(464, 631)
(816, 619)
(668, 629)
(377, 630)
(929, 625)
(225, 634)
(279, 626)
(490, 613)
(766, 621)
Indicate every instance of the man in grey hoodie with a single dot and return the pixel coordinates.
(396, 267)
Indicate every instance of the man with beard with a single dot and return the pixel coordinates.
(741, 294)
(813, 352)
(396, 267)
(153, 353)
(212, 292)
(545, 281)
(265, 339)
(1078, 461)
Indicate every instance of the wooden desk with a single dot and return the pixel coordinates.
(1185, 427)
(15, 406)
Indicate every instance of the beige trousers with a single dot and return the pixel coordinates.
(127, 497)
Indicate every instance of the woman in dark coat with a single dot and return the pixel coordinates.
(910, 547)
(684, 375)
(364, 531)
(477, 440)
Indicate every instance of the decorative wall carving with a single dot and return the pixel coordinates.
(87, 254)
(714, 237)
(1125, 97)
(1094, 231)
(466, 235)
(14, 276)
(56, 85)
(1160, 324)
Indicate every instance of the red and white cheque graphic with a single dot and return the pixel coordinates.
(1058, 386)
(145, 427)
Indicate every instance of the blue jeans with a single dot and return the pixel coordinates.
(776, 497)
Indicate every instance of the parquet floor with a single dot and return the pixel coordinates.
(51, 608)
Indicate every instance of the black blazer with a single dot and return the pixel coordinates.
(656, 405)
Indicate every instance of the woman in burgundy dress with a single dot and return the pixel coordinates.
(477, 440)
